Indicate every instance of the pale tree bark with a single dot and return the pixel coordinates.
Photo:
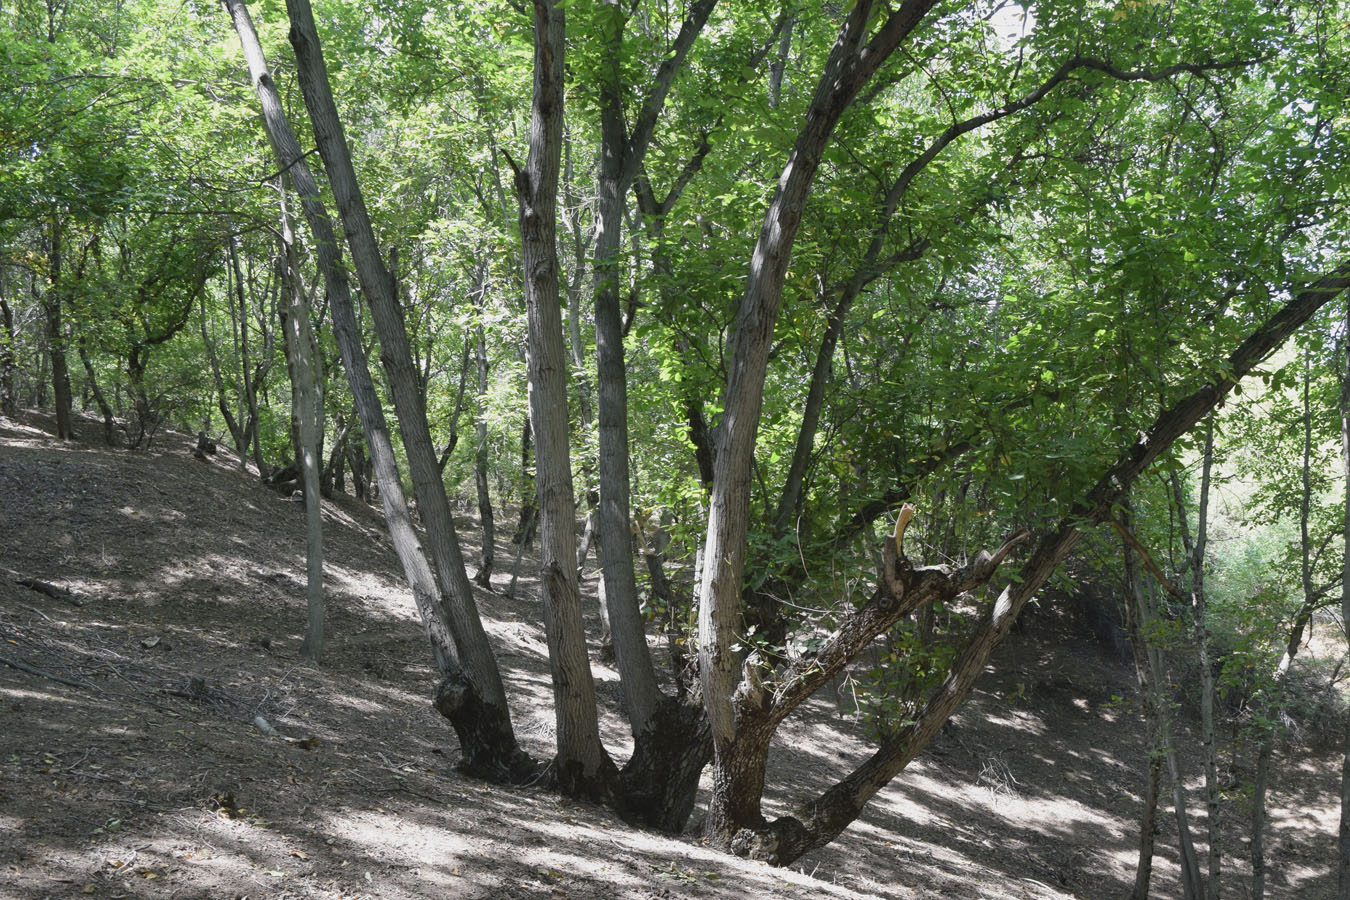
(306, 404)
(738, 765)
(1195, 552)
(583, 767)
(377, 284)
(479, 716)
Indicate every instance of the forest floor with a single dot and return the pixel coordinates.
(131, 764)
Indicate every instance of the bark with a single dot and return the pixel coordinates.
(1195, 551)
(1147, 614)
(9, 400)
(306, 404)
(583, 768)
(1343, 861)
(104, 408)
(483, 577)
(817, 822)
(621, 156)
(851, 64)
(377, 284)
(56, 336)
(779, 65)
(480, 720)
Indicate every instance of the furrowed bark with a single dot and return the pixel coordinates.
(621, 158)
(306, 405)
(583, 767)
(377, 284)
(484, 728)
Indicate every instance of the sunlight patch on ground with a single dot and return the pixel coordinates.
(1019, 719)
(43, 696)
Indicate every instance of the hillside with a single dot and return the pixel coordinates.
(131, 765)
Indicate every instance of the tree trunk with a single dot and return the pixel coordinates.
(483, 577)
(583, 767)
(1343, 862)
(1195, 551)
(109, 427)
(56, 337)
(1136, 608)
(9, 400)
(1293, 641)
(852, 62)
(306, 403)
(817, 822)
(250, 386)
(478, 714)
(480, 666)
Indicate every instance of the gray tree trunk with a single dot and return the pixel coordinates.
(377, 284)
(306, 405)
(584, 769)
(737, 778)
(1195, 551)
(483, 724)
(56, 335)
(1343, 862)
(487, 559)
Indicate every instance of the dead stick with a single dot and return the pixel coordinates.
(27, 668)
(1139, 548)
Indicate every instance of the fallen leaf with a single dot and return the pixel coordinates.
(299, 854)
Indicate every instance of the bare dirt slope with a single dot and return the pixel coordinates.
(131, 764)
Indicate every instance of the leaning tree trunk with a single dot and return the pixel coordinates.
(105, 410)
(481, 720)
(583, 767)
(737, 778)
(818, 821)
(377, 283)
(306, 404)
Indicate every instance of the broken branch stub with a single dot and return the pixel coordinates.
(894, 562)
